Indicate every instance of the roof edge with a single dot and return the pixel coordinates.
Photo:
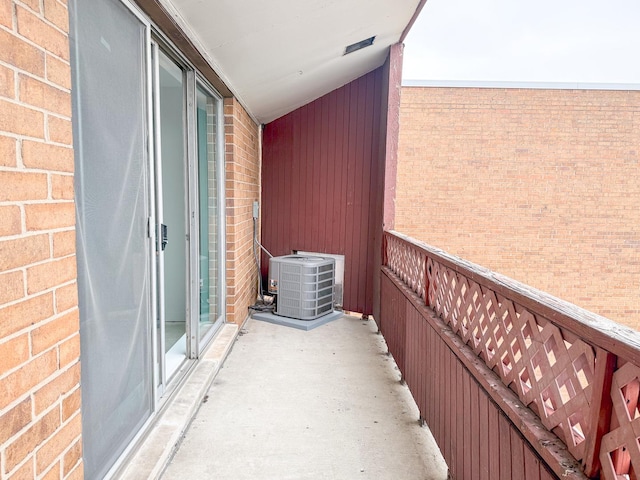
(414, 17)
(523, 85)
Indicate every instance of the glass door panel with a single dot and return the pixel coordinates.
(110, 114)
(207, 117)
(171, 188)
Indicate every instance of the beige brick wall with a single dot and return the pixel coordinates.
(242, 163)
(40, 423)
(540, 185)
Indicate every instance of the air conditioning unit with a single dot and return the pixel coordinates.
(303, 286)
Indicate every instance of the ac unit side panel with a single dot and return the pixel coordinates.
(304, 285)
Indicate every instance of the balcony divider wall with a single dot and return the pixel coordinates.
(324, 180)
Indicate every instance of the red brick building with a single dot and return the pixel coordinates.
(539, 184)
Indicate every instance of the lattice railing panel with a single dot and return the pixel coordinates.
(549, 369)
(620, 449)
(407, 263)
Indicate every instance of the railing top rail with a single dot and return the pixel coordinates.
(592, 328)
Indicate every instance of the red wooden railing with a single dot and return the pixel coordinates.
(514, 383)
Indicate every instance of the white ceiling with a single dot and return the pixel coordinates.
(277, 55)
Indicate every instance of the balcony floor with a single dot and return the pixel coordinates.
(323, 404)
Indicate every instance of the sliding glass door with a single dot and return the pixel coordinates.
(112, 192)
(171, 213)
(187, 118)
(208, 115)
(149, 185)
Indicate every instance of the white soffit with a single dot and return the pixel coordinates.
(277, 55)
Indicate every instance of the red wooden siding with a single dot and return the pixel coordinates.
(322, 173)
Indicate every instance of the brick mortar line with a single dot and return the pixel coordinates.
(78, 465)
(49, 195)
(241, 221)
(48, 142)
(45, 201)
(33, 233)
(245, 199)
(16, 136)
(245, 205)
(540, 111)
(245, 170)
(47, 172)
(23, 228)
(527, 108)
(30, 106)
(55, 297)
(58, 116)
(239, 247)
(241, 175)
(244, 180)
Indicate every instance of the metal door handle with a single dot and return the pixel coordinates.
(164, 236)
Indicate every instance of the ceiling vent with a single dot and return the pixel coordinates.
(359, 45)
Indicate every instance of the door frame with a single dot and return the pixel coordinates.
(197, 343)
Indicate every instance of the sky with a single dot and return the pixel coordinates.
(584, 41)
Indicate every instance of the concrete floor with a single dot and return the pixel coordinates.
(322, 404)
